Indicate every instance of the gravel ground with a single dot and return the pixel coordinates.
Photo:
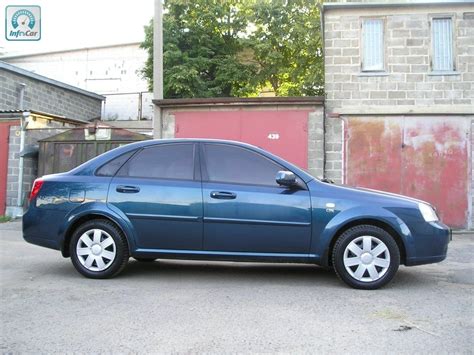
(197, 307)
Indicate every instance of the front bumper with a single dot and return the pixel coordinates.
(430, 243)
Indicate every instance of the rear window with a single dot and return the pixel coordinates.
(111, 168)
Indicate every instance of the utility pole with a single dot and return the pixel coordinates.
(157, 66)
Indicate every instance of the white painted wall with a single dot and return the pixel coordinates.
(112, 71)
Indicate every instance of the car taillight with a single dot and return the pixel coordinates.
(36, 188)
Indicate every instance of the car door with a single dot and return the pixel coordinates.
(159, 189)
(245, 210)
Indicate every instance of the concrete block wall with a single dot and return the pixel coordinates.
(107, 70)
(316, 143)
(334, 148)
(408, 79)
(44, 97)
(407, 86)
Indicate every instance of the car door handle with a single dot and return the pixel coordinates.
(127, 189)
(223, 195)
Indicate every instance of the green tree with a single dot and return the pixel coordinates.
(221, 48)
(287, 45)
(201, 42)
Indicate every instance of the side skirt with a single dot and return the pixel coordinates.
(227, 256)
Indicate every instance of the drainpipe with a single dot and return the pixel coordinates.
(158, 68)
(22, 145)
(321, 23)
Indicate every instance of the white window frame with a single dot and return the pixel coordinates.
(375, 69)
(432, 44)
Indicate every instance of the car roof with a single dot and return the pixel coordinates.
(89, 167)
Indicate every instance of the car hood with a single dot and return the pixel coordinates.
(390, 195)
(362, 194)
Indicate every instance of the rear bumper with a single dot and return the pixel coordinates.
(47, 243)
(39, 230)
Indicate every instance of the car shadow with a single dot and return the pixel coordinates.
(184, 271)
(228, 271)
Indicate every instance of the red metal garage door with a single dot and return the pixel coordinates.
(281, 132)
(422, 157)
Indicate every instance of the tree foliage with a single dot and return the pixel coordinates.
(287, 46)
(224, 48)
(200, 46)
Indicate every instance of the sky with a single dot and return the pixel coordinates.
(68, 24)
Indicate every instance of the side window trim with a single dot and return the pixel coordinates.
(204, 173)
(195, 178)
(197, 162)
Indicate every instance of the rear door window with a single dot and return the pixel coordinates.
(167, 161)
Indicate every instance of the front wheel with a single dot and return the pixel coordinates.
(99, 249)
(366, 257)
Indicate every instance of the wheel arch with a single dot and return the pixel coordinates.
(79, 220)
(327, 257)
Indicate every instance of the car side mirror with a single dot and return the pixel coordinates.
(286, 178)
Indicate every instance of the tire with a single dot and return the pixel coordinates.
(98, 249)
(145, 260)
(366, 257)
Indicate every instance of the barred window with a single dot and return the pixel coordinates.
(442, 44)
(373, 44)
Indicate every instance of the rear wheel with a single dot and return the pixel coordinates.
(366, 257)
(99, 249)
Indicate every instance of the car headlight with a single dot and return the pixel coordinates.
(427, 212)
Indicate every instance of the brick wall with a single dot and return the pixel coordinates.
(44, 97)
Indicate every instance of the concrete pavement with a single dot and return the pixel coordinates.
(195, 307)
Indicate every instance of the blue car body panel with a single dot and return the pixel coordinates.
(179, 219)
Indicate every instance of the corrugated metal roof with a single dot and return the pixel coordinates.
(77, 134)
(29, 74)
(5, 113)
(303, 100)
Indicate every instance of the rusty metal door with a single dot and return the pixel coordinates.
(422, 157)
(283, 133)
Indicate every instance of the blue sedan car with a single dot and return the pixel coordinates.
(222, 200)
